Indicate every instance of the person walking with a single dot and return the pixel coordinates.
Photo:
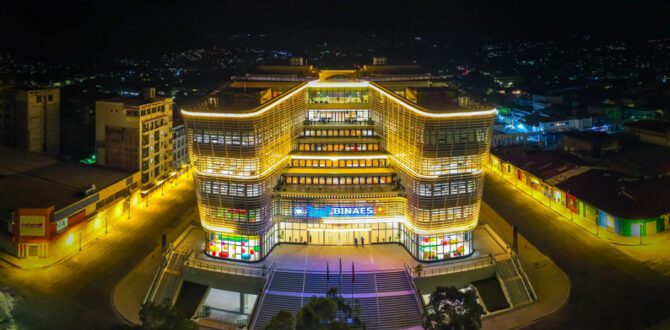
(362, 241)
(355, 242)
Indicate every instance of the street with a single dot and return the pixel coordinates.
(610, 290)
(76, 293)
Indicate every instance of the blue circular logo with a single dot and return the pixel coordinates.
(299, 211)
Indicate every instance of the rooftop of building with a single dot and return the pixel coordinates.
(239, 99)
(591, 136)
(444, 98)
(537, 118)
(391, 69)
(656, 126)
(544, 164)
(133, 101)
(297, 70)
(245, 93)
(619, 194)
(23, 174)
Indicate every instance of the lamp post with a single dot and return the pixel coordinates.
(106, 224)
(79, 240)
(127, 202)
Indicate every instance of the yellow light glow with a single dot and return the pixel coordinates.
(405, 223)
(260, 111)
(241, 177)
(339, 157)
(70, 239)
(430, 114)
(216, 228)
(344, 84)
(316, 83)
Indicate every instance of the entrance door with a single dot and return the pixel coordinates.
(33, 250)
(332, 237)
(635, 230)
(315, 237)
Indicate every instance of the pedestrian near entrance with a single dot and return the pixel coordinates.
(355, 241)
(362, 241)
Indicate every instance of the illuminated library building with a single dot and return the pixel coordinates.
(380, 154)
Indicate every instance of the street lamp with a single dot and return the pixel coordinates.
(127, 204)
(79, 240)
(106, 224)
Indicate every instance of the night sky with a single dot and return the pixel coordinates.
(85, 30)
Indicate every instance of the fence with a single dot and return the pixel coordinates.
(222, 267)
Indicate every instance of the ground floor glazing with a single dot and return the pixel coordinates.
(252, 248)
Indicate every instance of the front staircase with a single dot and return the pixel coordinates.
(387, 298)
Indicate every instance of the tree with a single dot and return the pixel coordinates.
(316, 314)
(282, 321)
(331, 312)
(452, 309)
(163, 316)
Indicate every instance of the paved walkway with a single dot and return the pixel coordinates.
(581, 222)
(372, 257)
(609, 290)
(118, 225)
(129, 293)
(75, 293)
(550, 283)
(651, 250)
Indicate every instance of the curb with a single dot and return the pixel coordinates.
(563, 303)
(61, 260)
(116, 311)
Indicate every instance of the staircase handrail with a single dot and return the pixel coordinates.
(156, 279)
(433, 270)
(225, 267)
(417, 293)
(269, 275)
(524, 278)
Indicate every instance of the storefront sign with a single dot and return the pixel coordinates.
(32, 225)
(334, 211)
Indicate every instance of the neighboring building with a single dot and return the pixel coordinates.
(179, 148)
(135, 134)
(623, 204)
(590, 143)
(44, 201)
(30, 119)
(339, 159)
(650, 131)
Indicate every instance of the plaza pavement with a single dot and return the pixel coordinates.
(550, 283)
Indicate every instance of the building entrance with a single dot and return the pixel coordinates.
(338, 236)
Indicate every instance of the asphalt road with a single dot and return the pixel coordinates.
(610, 290)
(76, 293)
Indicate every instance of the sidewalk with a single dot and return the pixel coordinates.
(653, 251)
(551, 284)
(93, 229)
(575, 218)
(128, 294)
